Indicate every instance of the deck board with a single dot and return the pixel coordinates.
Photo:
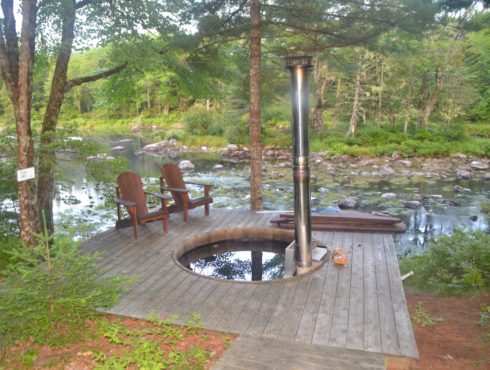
(358, 307)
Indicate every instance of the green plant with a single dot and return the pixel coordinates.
(195, 321)
(485, 320)
(459, 263)
(52, 290)
(422, 318)
(144, 353)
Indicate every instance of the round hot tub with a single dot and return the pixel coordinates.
(238, 254)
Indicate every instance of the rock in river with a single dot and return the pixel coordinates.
(349, 203)
(388, 196)
(463, 174)
(412, 204)
(479, 165)
(460, 189)
(186, 165)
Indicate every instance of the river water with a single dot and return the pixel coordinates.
(444, 203)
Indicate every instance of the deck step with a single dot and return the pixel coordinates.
(266, 353)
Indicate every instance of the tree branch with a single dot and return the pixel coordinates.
(10, 41)
(84, 3)
(81, 80)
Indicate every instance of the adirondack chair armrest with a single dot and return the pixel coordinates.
(158, 195)
(126, 203)
(174, 189)
(207, 187)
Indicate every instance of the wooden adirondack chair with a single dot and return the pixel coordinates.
(130, 193)
(172, 178)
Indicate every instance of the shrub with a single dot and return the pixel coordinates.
(453, 264)
(198, 121)
(455, 132)
(479, 130)
(51, 291)
(388, 149)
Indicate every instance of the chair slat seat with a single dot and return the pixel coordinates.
(130, 193)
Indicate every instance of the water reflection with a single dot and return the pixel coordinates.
(238, 260)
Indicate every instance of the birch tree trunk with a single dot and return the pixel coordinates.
(336, 109)
(254, 120)
(354, 119)
(321, 83)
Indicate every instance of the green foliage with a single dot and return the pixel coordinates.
(199, 122)
(485, 320)
(479, 130)
(52, 290)
(454, 264)
(422, 318)
(144, 353)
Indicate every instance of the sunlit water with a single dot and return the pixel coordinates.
(81, 203)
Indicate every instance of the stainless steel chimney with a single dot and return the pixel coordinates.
(299, 66)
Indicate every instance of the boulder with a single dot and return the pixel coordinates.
(349, 203)
(388, 196)
(477, 165)
(486, 176)
(218, 167)
(155, 147)
(413, 204)
(118, 148)
(460, 189)
(463, 174)
(186, 165)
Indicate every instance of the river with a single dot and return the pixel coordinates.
(429, 203)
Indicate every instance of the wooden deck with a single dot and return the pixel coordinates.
(360, 307)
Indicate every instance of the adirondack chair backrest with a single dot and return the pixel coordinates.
(131, 188)
(173, 177)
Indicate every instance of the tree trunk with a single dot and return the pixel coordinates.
(431, 103)
(321, 81)
(354, 119)
(336, 109)
(47, 155)
(29, 221)
(380, 94)
(255, 138)
(257, 268)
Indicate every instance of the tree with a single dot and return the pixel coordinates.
(113, 21)
(255, 139)
(16, 62)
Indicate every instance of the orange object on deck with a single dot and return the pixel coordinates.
(339, 257)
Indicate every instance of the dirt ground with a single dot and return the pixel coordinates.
(83, 355)
(457, 342)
